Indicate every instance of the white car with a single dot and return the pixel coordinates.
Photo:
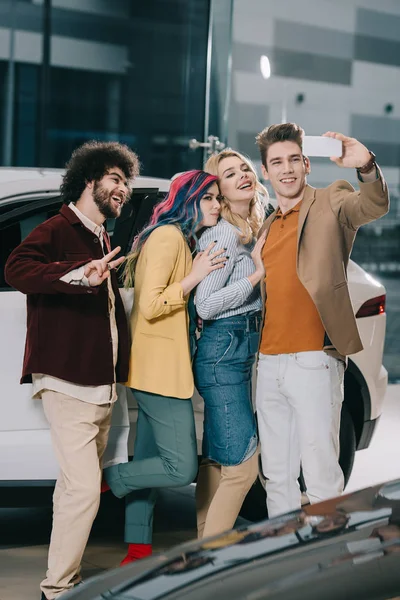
(30, 196)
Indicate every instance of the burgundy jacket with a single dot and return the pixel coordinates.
(68, 326)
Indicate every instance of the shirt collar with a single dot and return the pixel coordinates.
(88, 223)
(295, 208)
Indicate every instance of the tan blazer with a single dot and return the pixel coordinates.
(328, 223)
(160, 356)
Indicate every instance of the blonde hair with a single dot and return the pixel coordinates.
(249, 227)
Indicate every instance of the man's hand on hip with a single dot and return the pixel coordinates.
(355, 154)
(97, 271)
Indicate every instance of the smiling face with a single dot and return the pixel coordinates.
(287, 169)
(237, 181)
(210, 207)
(111, 193)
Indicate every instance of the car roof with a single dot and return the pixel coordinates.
(327, 550)
(19, 181)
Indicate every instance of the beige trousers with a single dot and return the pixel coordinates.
(220, 493)
(79, 433)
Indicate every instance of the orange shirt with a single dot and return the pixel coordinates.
(292, 322)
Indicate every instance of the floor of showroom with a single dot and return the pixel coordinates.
(24, 532)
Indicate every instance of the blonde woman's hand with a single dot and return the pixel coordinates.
(257, 251)
(256, 255)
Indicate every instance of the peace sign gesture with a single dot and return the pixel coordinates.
(97, 271)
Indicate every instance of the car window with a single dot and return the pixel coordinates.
(8, 206)
(23, 217)
(14, 230)
(134, 216)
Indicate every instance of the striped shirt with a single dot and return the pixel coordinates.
(227, 292)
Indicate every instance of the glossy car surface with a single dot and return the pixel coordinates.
(346, 548)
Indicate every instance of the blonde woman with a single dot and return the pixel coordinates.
(229, 303)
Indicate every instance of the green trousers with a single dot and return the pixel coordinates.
(165, 455)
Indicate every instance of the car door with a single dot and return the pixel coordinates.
(24, 436)
(25, 446)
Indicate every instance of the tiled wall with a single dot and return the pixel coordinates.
(343, 56)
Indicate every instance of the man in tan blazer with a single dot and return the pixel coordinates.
(309, 325)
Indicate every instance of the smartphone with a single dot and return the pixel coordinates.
(316, 145)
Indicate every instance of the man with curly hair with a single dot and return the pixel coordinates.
(77, 339)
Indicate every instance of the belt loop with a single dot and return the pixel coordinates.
(247, 324)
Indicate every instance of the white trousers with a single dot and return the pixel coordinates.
(299, 399)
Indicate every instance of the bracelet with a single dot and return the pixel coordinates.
(368, 166)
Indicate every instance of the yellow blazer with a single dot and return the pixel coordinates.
(160, 360)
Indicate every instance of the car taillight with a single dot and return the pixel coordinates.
(375, 306)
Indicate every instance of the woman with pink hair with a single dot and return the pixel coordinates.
(164, 273)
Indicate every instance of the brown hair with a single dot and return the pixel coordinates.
(249, 227)
(282, 132)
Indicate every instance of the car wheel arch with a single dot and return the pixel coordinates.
(357, 398)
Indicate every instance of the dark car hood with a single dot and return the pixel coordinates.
(325, 540)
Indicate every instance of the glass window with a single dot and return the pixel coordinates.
(327, 77)
(134, 216)
(128, 71)
(3, 82)
(26, 115)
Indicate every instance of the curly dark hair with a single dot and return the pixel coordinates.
(91, 161)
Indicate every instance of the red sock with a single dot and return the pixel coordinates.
(136, 552)
(104, 486)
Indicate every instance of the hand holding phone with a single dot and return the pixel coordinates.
(354, 154)
(318, 145)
